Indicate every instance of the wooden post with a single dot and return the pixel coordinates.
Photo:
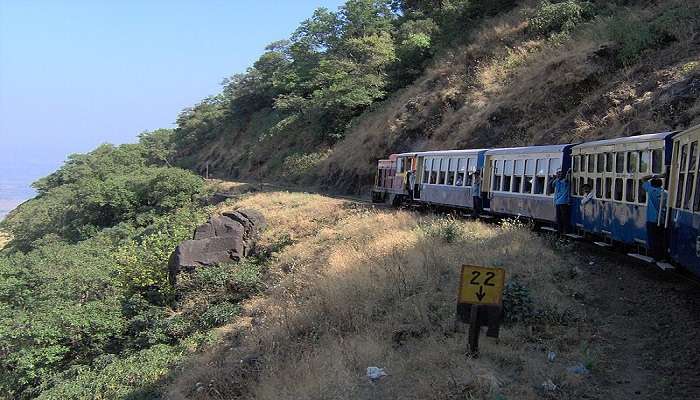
(206, 174)
(474, 330)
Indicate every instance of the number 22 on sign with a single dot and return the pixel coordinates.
(480, 285)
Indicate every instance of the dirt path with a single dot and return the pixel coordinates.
(648, 329)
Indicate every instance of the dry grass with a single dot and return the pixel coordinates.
(4, 239)
(361, 287)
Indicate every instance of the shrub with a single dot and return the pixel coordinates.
(297, 166)
(634, 35)
(138, 376)
(517, 302)
(218, 314)
(447, 229)
(553, 18)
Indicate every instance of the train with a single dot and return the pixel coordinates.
(516, 182)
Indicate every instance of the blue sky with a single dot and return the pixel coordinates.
(74, 74)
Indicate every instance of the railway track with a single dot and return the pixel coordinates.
(609, 251)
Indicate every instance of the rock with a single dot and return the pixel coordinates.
(223, 238)
(578, 369)
(375, 373)
(549, 386)
(219, 226)
(252, 221)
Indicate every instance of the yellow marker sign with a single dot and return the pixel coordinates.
(480, 285)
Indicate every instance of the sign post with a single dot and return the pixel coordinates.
(479, 302)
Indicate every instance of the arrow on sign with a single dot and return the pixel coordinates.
(480, 294)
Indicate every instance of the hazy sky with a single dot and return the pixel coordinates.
(74, 74)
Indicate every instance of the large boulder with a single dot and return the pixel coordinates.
(227, 237)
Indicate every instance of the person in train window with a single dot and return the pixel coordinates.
(587, 193)
(562, 188)
(656, 198)
(459, 180)
(476, 192)
(410, 183)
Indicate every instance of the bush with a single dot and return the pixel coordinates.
(445, 229)
(517, 302)
(297, 166)
(138, 376)
(218, 314)
(553, 18)
(634, 35)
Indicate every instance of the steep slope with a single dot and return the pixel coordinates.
(526, 72)
(508, 89)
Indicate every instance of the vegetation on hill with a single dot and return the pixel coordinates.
(86, 309)
(381, 76)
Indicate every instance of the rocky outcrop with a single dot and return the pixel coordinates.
(227, 237)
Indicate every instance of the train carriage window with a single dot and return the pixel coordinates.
(442, 172)
(644, 158)
(618, 189)
(497, 174)
(554, 166)
(600, 161)
(426, 170)
(578, 186)
(641, 193)
(684, 156)
(577, 163)
(608, 188)
(507, 175)
(679, 190)
(692, 161)
(435, 166)
(598, 188)
(471, 164)
(529, 176)
(619, 162)
(688, 190)
(632, 162)
(690, 180)
(608, 162)
(451, 169)
(681, 176)
(518, 175)
(696, 201)
(630, 190)
(400, 164)
(657, 162)
(540, 175)
(461, 168)
(591, 163)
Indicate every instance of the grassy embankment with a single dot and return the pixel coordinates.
(4, 239)
(349, 286)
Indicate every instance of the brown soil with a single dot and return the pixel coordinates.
(647, 324)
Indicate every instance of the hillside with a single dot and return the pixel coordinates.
(510, 73)
(354, 287)
(335, 285)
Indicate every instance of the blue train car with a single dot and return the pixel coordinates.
(614, 170)
(445, 177)
(683, 216)
(518, 180)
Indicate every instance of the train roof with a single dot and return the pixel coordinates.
(442, 152)
(688, 131)
(651, 137)
(529, 149)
